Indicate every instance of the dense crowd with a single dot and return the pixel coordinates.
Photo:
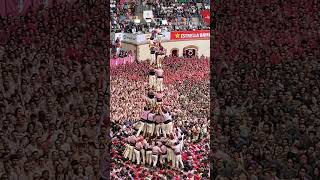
(189, 107)
(177, 14)
(266, 92)
(53, 93)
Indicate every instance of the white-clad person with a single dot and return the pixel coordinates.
(150, 98)
(118, 46)
(159, 80)
(156, 151)
(152, 51)
(178, 158)
(161, 52)
(128, 153)
(167, 124)
(181, 140)
(152, 79)
(148, 146)
(178, 132)
(159, 98)
(143, 150)
(158, 119)
(143, 121)
(138, 148)
(151, 124)
(163, 155)
(171, 154)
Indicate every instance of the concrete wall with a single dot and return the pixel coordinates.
(143, 52)
(129, 47)
(203, 47)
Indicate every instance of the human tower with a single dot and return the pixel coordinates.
(156, 141)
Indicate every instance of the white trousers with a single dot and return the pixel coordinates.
(162, 158)
(153, 59)
(170, 155)
(179, 161)
(164, 130)
(159, 84)
(151, 128)
(159, 64)
(173, 158)
(158, 129)
(143, 153)
(128, 152)
(137, 155)
(152, 81)
(141, 127)
(170, 125)
(169, 128)
(149, 157)
(145, 129)
(133, 156)
(155, 160)
(181, 144)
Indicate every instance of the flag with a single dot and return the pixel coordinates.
(206, 16)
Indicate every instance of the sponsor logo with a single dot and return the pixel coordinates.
(184, 35)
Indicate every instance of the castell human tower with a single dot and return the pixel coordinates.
(155, 143)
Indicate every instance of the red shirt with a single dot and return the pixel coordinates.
(197, 177)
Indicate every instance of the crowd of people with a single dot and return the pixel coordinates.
(266, 91)
(189, 108)
(177, 14)
(53, 93)
(265, 105)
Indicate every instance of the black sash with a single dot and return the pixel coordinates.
(143, 120)
(167, 122)
(149, 121)
(151, 96)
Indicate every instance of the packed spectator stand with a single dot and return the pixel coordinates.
(53, 93)
(266, 90)
(179, 15)
(186, 92)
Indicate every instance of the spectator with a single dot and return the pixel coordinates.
(189, 107)
(46, 59)
(266, 88)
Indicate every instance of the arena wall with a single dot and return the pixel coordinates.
(202, 46)
(129, 47)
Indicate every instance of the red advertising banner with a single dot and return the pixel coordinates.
(190, 35)
(206, 16)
